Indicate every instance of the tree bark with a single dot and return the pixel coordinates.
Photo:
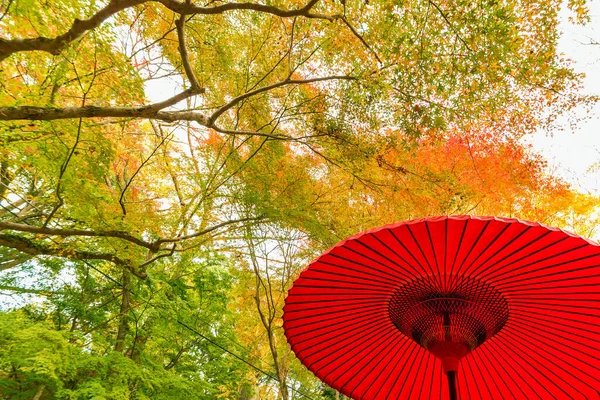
(124, 312)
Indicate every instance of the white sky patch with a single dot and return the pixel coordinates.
(573, 152)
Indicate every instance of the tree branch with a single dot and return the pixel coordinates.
(362, 40)
(79, 27)
(188, 9)
(439, 10)
(130, 181)
(35, 249)
(54, 46)
(185, 59)
(205, 231)
(4, 225)
(254, 92)
(151, 111)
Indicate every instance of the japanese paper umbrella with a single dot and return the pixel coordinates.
(452, 307)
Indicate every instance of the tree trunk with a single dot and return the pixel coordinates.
(124, 312)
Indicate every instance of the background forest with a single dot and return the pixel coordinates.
(167, 168)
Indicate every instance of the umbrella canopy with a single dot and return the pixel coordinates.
(472, 307)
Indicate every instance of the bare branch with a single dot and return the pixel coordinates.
(63, 169)
(20, 290)
(150, 261)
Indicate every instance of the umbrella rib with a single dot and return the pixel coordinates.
(442, 384)
(473, 247)
(560, 293)
(411, 357)
(345, 301)
(371, 286)
(518, 354)
(347, 324)
(519, 339)
(519, 334)
(409, 253)
(405, 344)
(523, 301)
(433, 371)
(359, 308)
(518, 272)
(418, 243)
(342, 328)
(372, 250)
(372, 367)
(487, 247)
(459, 378)
(355, 262)
(374, 278)
(397, 254)
(458, 248)
(347, 320)
(524, 331)
(504, 246)
(423, 355)
(523, 320)
(523, 257)
(567, 271)
(467, 364)
(437, 274)
(482, 353)
(425, 373)
(504, 288)
(445, 255)
(368, 335)
(377, 344)
(511, 365)
(379, 254)
(540, 315)
(562, 318)
(525, 246)
(480, 369)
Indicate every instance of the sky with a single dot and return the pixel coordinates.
(573, 151)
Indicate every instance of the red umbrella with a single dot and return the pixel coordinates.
(452, 307)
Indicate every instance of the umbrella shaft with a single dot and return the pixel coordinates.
(452, 384)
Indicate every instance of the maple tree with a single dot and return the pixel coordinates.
(281, 128)
(316, 74)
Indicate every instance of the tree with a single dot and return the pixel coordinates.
(317, 75)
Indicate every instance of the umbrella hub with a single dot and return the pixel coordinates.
(449, 317)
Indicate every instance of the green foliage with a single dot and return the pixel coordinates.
(41, 352)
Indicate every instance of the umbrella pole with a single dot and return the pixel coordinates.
(452, 384)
